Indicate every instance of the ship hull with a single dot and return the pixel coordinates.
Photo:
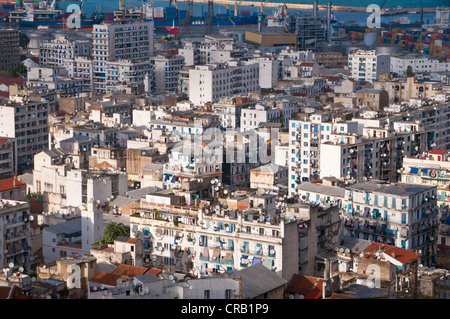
(56, 23)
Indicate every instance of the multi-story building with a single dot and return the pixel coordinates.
(27, 123)
(15, 234)
(166, 70)
(367, 65)
(9, 49)
(305, 139)
(401, 215)
(376, 154)
(405, 89)
(209, 83)
(419, 63)
(330, 59)
(203, 241)
(433, 168)
(120, 40)
(8, 157)
(311, 35)
(73, 237)
(53, 52)
(255, 116)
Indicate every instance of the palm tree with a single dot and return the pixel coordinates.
(114, 230)
(99, 243)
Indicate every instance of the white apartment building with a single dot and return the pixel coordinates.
(53, 52)
(253, 117)
(433, 168)
(367, 65)
(15, 238)
(401, 215)
(27, 122)
(376, 154)
(74, 236)
(269, 72)
(55, 78)
(419, 63)
(209, 83)
(120, 40)
(305, 139)
(166, 70)
(201, 241)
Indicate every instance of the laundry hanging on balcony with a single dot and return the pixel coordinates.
(256, 260)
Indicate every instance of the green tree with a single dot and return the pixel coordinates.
(114, 230)
(18, 70)
(409, 71)
(24, 40)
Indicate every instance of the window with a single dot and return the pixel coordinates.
(207, 294)
(228, 294)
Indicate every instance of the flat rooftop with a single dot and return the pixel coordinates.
(399, 189)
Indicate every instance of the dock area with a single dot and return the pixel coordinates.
(297, 6)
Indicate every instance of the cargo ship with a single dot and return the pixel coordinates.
(44, 14)
(171, 16)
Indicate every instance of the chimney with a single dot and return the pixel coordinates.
(315, 8)
(329, 21)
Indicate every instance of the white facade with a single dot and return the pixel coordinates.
(209, 83)
(254, 117)
(166, 71)
(419, 64)
(120, 40)
(367, 65)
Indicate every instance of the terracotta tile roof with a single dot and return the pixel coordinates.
(106, 278)
(11, 81)
(132, 241)
(402, 255)
(128, 270)
(307, 63)
(10, 183)
(438, 152)
(310, 287)
(2, 141)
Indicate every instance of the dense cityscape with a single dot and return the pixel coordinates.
(268, 151)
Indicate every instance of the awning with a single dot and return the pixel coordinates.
(174, 179)
(166, 177)
(256, 260)
(424, 170)
(414, 170)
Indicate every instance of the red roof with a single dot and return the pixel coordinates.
(132, 241)
(106, 278)
(437, 152)
(307, 64)
(128, 270)
(402, 255)
(2, 141)
(10, 183)
(310, 287)
(11, 81)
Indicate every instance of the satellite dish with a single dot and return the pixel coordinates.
(95, 288)
(119, 281)
(347, 251)
(336, 248)
(11, 265)
(361, 255)
(341, 250)
(170, 277)
(225, 192)
(21, 269)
